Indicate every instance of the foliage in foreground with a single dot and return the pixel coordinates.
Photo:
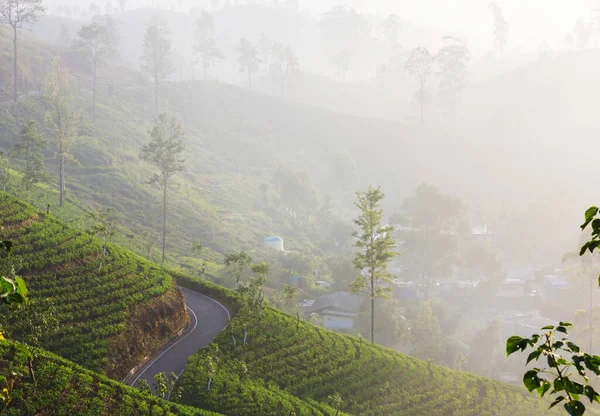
(569, 368)
(568, 373)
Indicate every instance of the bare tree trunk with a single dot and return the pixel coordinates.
(27, 172)
(61, 178)
(422, 104)
(372, 310)
(164, 233)
(94, 95)
(156, 95)
(591, 314)
(15, 88)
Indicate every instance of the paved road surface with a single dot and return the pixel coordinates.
(208, 318)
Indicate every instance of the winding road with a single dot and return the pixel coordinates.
(207, 317)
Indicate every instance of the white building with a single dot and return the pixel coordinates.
(339, 310)
(274, 243)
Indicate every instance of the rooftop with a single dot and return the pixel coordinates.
(340, 301)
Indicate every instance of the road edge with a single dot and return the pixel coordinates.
(151, 359)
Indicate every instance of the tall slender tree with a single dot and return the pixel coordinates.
(97, 45)
(16, 14)
(63, 120)
(391, 27)
(452, 61)
(265, 46)
(248, 59)
(205, 48)
(374, 243)
(165, 152)
(29, 149)
(500, 29)
(240, 261)
(157, 59)
(420, 65)
(285, 62)
(343, 29)
(582, 34)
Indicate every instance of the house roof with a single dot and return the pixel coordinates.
(520, 271)
(338, 301)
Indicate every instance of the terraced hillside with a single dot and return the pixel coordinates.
(109, 319)
(64, 388)
(314, 365)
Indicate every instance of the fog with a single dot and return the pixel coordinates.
(479, 121)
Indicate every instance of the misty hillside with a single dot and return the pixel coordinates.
(468, 159)
(241, 139)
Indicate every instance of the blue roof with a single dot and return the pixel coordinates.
(273, 239)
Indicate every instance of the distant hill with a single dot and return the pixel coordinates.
(109, 318)
(237, 142)
(510, 150)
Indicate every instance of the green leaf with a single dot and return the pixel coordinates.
(534, 355)
(531, 380)
(557, 401)
(573, 347)
(592, 363)
(589, 216)
(513, 344)
(546, 328)
(590, 393)
(575, 408)
(561, 329)
(573, 387)
(543, 389)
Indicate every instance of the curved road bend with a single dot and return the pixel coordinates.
(208, 317)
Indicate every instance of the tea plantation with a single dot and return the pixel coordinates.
(109, 318)
(64, 388)
(315, 365)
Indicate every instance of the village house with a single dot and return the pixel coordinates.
(339, 310)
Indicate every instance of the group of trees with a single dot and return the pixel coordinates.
(284, 60)
(158, 64)
(451, 61)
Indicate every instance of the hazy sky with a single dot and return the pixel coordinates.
(530, 20)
